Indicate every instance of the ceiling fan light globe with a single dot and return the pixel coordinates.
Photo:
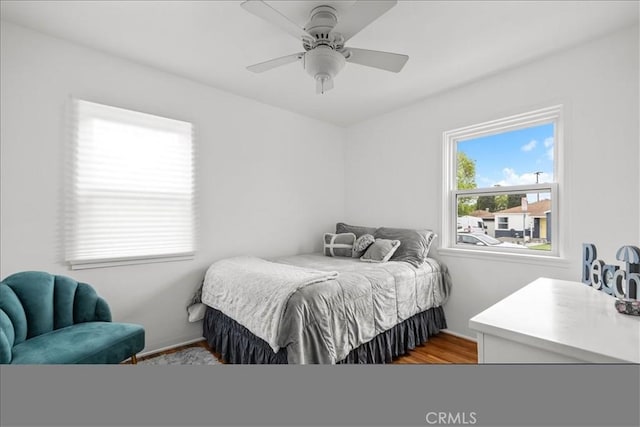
(323, 60)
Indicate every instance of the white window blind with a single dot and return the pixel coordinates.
(131, 195)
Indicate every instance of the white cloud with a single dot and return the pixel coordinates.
(529, 146)
(550, 153)
(548, 143)
(513, 178)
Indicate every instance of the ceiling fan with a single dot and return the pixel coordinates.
(323, 39)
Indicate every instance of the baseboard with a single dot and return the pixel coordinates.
(456, 334)
(169, 347)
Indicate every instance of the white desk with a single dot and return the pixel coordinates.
(556, 321)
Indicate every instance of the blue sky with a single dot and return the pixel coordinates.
(512, 158)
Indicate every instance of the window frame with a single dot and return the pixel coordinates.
(71, 238)
(449, 244)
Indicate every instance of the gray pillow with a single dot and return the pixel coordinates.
(381, 250)
(338, 244)
(358, 230)
(361, 245)
(415, 243)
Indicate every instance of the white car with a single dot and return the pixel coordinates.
(471, 224)
(478, 239)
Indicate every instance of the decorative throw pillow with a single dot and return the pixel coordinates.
(381, 250)
(415, 243)
(338, 244)
(358, 230)
(361, 245)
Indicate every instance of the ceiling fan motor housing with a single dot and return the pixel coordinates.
(322, 19)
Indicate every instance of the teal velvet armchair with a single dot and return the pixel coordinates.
(48, 319)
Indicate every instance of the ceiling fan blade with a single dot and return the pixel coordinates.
(269, 14)
(361, 14)
(273, 63)
(376, 59)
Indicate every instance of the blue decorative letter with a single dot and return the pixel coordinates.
(633, 283)
(619, 279)
(608, 274)
(596, 274)
(589, 254)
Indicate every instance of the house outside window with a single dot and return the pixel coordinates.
(505, 173)
(131, 196)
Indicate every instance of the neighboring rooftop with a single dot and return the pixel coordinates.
(535, 209)
(483, 214)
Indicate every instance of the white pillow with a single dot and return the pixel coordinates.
(338, 244)
(362, 244)
(381, 250)
(196, 312)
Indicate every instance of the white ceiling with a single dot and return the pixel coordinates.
(449, 43)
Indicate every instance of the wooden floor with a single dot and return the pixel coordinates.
(441, 349)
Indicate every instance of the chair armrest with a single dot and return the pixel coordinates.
(5, 349)
(103, 312)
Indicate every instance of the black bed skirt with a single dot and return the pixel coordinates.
(237, 345)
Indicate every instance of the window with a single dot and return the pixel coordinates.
(131, 188)
(501, 185)
(503, 222)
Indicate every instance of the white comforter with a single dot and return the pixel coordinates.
(255, 292)
(321, 321)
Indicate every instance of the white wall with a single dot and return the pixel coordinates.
(394, 162)
(270, 181)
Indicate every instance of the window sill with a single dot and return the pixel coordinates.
(546, 260)
(122, 262)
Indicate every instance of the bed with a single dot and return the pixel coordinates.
(349, 312)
